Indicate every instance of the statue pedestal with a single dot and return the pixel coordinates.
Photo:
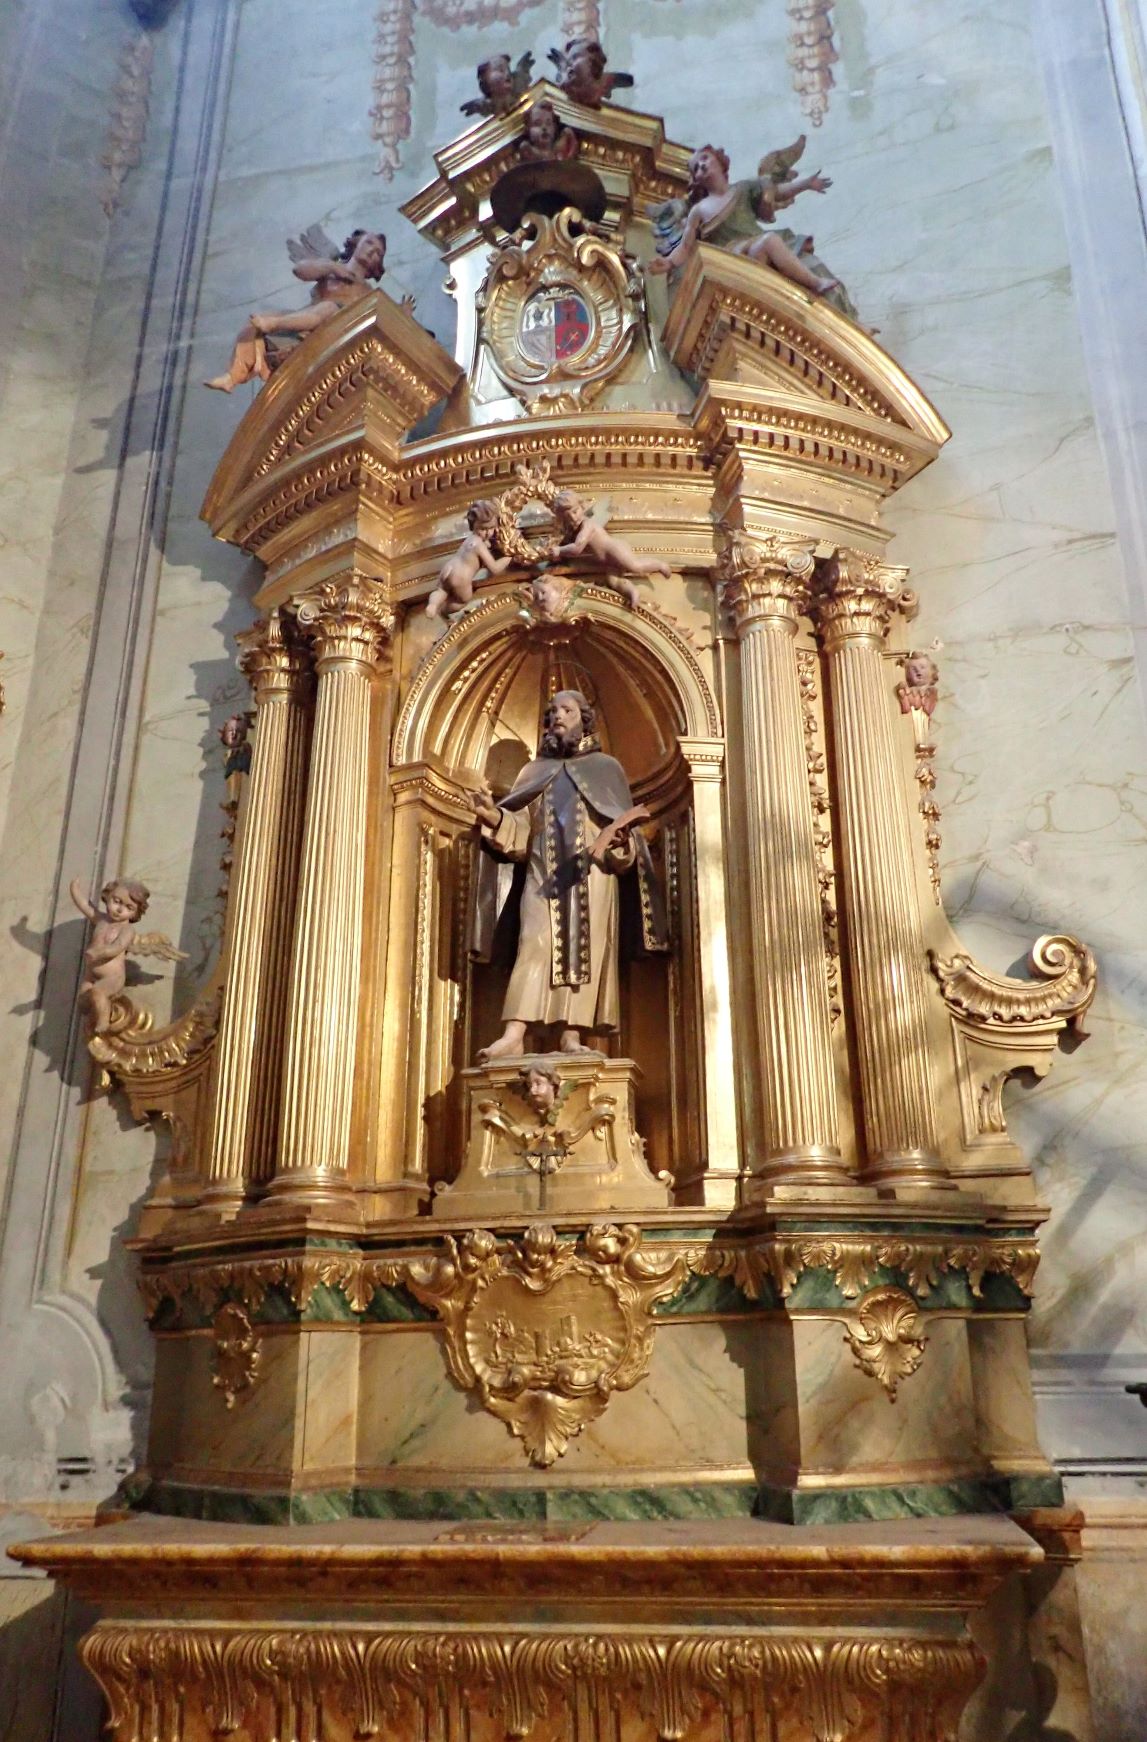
(552, 1133)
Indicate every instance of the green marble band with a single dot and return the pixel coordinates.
(701, 1500)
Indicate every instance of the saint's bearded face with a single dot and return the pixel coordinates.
(565, 719)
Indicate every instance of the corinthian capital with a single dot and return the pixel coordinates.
(348, 621)
(856, 595)
(271, 659)
(764, 575)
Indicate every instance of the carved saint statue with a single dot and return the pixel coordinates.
(569, 820)
(112, 941)
(339, 276)
(729, 215)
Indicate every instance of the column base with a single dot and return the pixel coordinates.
(312, 1189)
(914, 1167)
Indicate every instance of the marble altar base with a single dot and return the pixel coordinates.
(474, 1632)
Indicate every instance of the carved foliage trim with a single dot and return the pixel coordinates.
(130, 1047)
(417, 1685)
(237, 1352)
(758, 1269)
(886, 1341)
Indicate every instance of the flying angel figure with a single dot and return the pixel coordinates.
(112, 941)
(729, 214)
(500, 84)
(339, 276)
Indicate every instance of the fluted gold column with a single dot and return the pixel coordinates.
(764, 579)
(857, 596)
(349, 624)
(249, 1045)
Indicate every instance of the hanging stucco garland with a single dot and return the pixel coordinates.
(393, 70)
(581, 18)
(127, 123)
(812, 55)
(394, 58)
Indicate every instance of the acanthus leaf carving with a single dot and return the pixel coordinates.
(885, 1340)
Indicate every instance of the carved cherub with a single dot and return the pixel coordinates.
(581, 72)
(546, 140)
(458, 573)
(729, 215)
(500, 84)
(921, 676)
(583, 537)
(339, 276)
(112, 941)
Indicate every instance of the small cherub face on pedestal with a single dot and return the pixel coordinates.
(918, 694)
(541, 1087)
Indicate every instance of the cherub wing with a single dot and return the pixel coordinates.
(778, 166)
(313, 244)
(523, 74)
(557, 55)
(155, 943)
(668, 221)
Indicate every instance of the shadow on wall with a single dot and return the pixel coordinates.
(45, 1693)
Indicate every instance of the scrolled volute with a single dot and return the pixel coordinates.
(1062, 994)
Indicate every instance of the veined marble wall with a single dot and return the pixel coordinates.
(953, 220)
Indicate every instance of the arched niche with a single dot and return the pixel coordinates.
(473, 711)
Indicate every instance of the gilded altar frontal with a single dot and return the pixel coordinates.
(571, 802)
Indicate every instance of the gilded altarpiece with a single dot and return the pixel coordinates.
(727, 1433)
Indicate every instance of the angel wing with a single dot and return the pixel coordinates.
(523, 74)
(558, 56)
(668, 221)
(155, 943)
(778, 166)
(313, 244)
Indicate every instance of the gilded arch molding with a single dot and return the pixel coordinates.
(473, 640)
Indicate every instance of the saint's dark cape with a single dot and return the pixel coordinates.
(600, 781)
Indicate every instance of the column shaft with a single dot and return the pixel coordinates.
(249, 1042)
(764, 582)
(348, 624)
(881, 908)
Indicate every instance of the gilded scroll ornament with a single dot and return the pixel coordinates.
(561, 308)
(1062, 993)
(428, 1683)
(236, 1352)
(131, 1048)
(544, 1330)
(885, 1340)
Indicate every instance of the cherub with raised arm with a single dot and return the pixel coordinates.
(583, 537)
(501, 84)
(729, 215)
(581, 72)
(112, 941)
(339, 276)
(458, 573)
